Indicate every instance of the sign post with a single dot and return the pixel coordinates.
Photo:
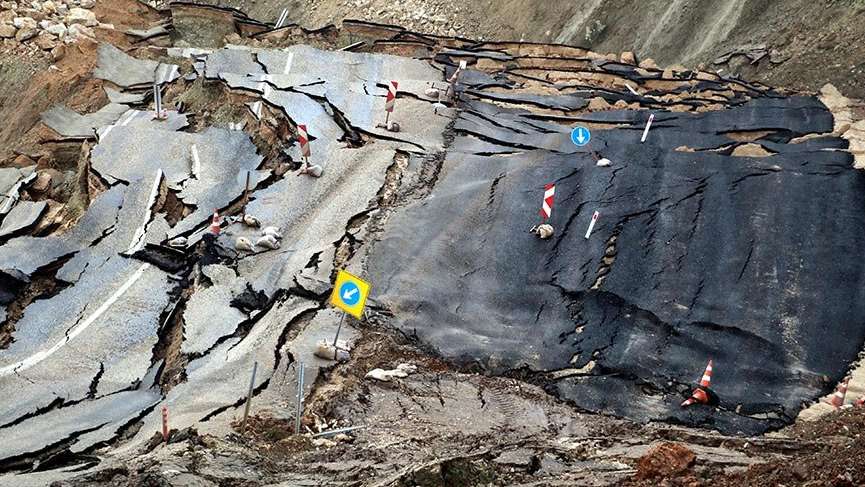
(349, 294)
(299, 409)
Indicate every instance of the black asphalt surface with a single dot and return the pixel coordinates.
(749, 261)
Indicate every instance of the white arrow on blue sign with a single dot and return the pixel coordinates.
(350, 293)
(580, 136)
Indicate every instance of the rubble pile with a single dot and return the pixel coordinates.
(49, 23)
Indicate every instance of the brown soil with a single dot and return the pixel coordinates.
(32, 84)
(665, 460)
(839, 462)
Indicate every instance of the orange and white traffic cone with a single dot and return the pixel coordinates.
(837, 399)
(215, 223)
(859, 402)
(700, 395)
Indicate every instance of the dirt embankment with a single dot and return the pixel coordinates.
(33, 81)
(811, 42)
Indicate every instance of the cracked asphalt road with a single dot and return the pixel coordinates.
(699, 253)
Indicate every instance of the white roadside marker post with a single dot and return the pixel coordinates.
(648, 126)
(592, 224)
(282, 18)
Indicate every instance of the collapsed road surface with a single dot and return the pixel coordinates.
(717, 238)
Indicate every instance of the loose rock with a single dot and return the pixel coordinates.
(77, 31)
(7, 31)
(665, 460)
(46, 41)
(26, 34)
(81, 16)
(268, 242)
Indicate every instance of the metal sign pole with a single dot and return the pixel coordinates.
(246, 193)
(335, 338)
(249, 398)
(299, 411)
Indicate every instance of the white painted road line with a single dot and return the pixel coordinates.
(75, 331)
(138, 238)
(196, 162)
(288, 63)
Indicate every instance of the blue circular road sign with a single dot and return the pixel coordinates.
(349, 293)
(580, 136)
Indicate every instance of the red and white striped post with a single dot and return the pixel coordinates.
(547, 205)
(165, 424)
(215, 223)
(390, 102)
(592, 224)
(303, 138)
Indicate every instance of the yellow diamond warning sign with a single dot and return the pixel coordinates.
(349, 294)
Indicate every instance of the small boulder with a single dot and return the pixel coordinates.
(26, 34)
(46, 41)
(49, 7)
(178, 242)
(251, 221)
(23, 161)
(42, 183)
(87, 3)
(628, 57)
(58, 53)
(7, 31)
(244, 244)
(313, 170)
(58, 30)
(665, 460)
(268, 242)
(543, 231)
(7, 16)
(272, 231)
(81, 16)
(649, 64)
(24, 22)
(78, 31)
(603, 162)
(597, 104)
